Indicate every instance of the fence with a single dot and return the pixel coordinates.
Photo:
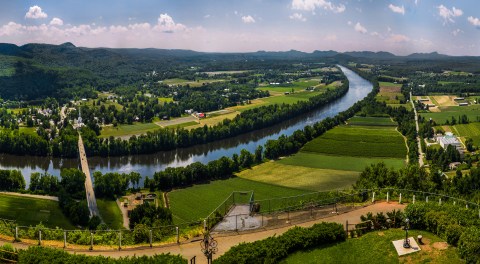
(226, 219)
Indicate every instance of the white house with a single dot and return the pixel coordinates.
(449, 139)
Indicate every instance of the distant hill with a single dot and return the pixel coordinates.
(34, 71)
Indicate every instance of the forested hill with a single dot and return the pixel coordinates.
(36, 71)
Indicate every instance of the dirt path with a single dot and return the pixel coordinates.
(191, 249)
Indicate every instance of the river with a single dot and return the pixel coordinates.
(147, 165)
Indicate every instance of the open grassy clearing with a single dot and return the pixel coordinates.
(330, 162)
(211, 121)
(390, 84)
(196, 202)
(408, 106)
(125, 130)
(196, 83)
(110, 213)
(377, 247)
(471, 111)
(390, 93)
(189, 125)
(299, 176)
(30, 211)
(364, 141)
(27, 130)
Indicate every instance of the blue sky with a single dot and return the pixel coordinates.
(399, 26)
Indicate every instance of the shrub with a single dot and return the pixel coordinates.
(272, 249)
(469, 245)
(453, 233)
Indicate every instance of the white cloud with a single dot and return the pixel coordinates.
(349, 23)
(397, 9)
(456, 32)
(248, 19)
(449, 14)
(167, 25)
(331, 37)
(398, 38)
(311, 5)
(207, 16)
(35, 12)
(475, 21)
(375, 34)
(56, 22)
(359, 28)
(299, 17)
(11, 28)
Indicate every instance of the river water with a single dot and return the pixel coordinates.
(147, 165)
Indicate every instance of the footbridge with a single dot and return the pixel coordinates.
(91, 201)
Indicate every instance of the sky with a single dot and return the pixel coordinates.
(399, 26)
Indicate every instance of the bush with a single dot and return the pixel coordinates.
(43, 255)
(453, 233)
(469, 245)
(273, 249)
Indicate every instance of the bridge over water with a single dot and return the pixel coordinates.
(91, 201)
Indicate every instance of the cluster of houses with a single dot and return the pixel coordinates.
(195, 113)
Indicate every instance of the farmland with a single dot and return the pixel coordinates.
(124, 130)
(196, 83)
(390, 93)
(472, 112)
(31, 211)
(359, 141)
(471, 130)
(196, 202)
(371, 121)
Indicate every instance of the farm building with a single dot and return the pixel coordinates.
(462, 104)
(458, 98)
(423, 99)
(449, 139)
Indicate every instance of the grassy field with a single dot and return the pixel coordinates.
(111, 214)
(196, 202)
(471, 130)
(371, 121)
(196, 83)
(30, 211)
(297, 86)
(27, 130)
(361, 141)
(472, 112)
(187, 124)
(377, 247)
(301, 177)
(343, 163)
(390, 93)
(125, 130)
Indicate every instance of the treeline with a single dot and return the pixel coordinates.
(11, 180)
(443, 157)
(112, 184)
(415, 178)
(275, 248)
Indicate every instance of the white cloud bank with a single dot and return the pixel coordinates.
(167, 25)
(35, 12)
(56, 22)
(449, 14)
(311, 5)
(297, 16)
(397, 9)
(359, 28)
(475, 21)
(248, 19)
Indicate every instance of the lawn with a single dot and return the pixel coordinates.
(126, 130)
(300, 177)
(377, 247)
(364, 141)
(197, 202)
(196, 83)
(344, 163)
(27, 130)
(472, 112)
(30, 211)
(186, 124)
(110, 213)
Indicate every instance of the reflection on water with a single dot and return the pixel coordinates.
(146, 165)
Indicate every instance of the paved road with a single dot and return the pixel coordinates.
(176, 121)
(92, 202)
(420, 152)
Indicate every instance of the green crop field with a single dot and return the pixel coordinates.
(321, 161)
(300, 177)
(196, 83)
(31, 211)
(197, 202)
(377, 247)
(125, 130)
(471, 130)
(359, 141)
(371, 121)
(110, 213)
(390, 84)
(472, 112)
(299, 85)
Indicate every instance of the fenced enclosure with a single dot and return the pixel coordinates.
(239, 212)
